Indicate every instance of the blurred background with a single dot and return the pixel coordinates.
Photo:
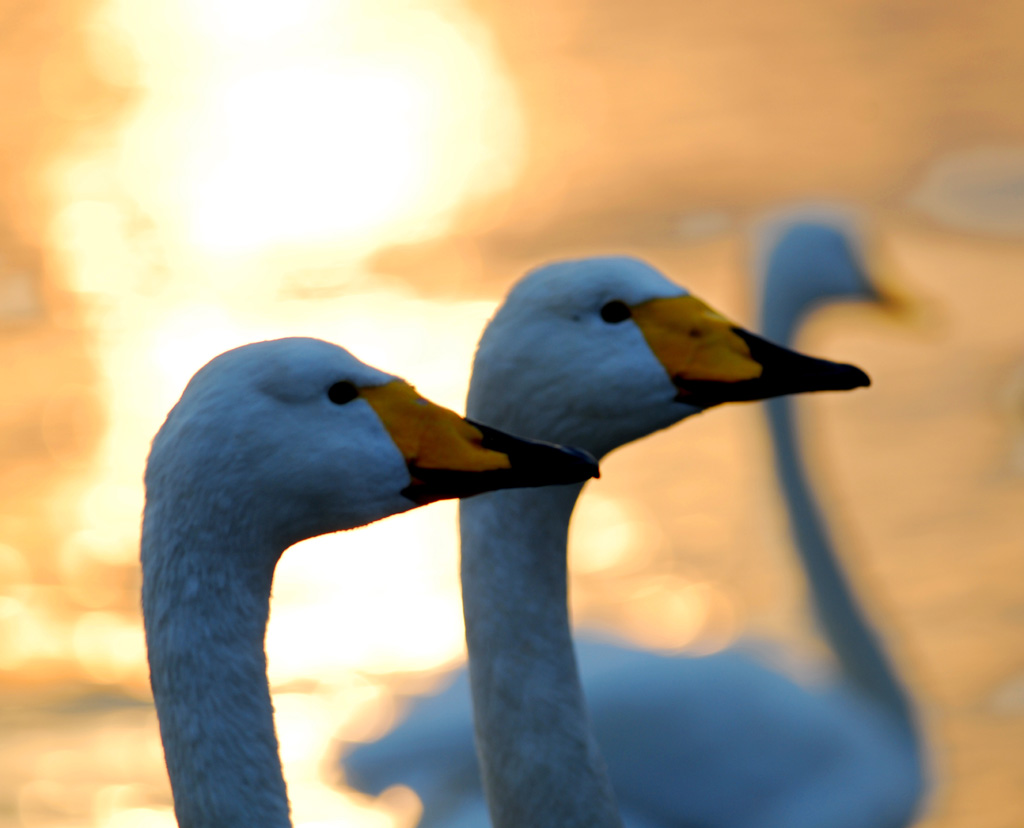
(178, 177)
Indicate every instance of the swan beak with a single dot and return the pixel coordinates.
(712, 361)
(450, 457)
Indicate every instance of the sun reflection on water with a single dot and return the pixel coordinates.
(245, 198)
(336, 124)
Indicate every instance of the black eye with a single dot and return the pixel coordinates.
(342, 392)
(615, 311)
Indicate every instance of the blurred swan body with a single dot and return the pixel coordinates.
(272, 443)
(688, 741)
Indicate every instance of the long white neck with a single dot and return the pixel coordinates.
(855, 643)
(540, 764)
(205, 597)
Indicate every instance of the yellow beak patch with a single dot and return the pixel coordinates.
(694, 342)
(429, 436)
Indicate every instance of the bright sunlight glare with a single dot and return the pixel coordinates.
(308, 152)
(334, 125)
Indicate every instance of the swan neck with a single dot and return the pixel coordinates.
(855, 643)
(539, 762)
(206, 597)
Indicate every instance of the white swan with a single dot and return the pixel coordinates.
(814, 262)
(688, 741)
(272, 443)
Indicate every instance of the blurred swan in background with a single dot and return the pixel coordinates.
(809, 264)
(706, 741)
(272, 443)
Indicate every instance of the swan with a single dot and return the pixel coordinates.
(811, 263)
(706, 741)
(272, 443)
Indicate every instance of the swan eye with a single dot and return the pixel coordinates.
(616, 311)
(342, 392)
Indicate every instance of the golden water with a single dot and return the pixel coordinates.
(185, 177)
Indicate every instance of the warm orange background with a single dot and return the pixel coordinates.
(181, 176)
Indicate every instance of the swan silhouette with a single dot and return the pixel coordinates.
(707, 741)
(272, 443)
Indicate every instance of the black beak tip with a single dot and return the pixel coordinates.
(538, 463)
(586, 461)
(858, 378)
(532, 463)
(839, 376)
(784, 372)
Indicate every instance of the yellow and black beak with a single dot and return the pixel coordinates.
(711, 361)
(450, 457)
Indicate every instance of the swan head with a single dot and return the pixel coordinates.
(293, 438)
(807, 264)
(599, 352)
